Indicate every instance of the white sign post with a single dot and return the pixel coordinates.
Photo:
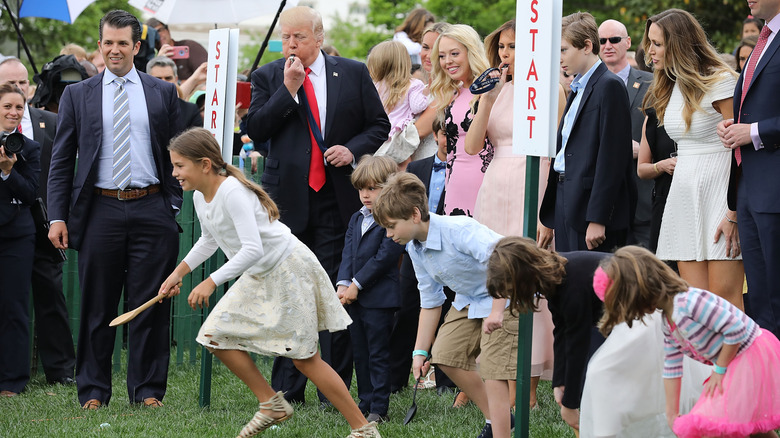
(537, 66)
(219, 113)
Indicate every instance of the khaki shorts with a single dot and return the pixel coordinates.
(460, 340)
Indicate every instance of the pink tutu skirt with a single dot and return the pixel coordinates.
(750, 402)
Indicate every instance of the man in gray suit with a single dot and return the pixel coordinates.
(615, 43)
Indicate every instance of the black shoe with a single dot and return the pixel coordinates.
(487, 431)
(66, 381)
(441, 390)
(378, 418)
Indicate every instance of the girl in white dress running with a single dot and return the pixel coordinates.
(282, 298)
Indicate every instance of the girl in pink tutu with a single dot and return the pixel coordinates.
(742, 395)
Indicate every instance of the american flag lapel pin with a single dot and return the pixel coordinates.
(42, 125)
(336, 74)
(636, 85)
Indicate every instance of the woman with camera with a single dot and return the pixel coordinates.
(19, 168)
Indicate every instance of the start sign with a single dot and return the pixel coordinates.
(537, 65)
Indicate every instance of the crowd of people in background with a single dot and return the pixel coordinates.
(385, 237)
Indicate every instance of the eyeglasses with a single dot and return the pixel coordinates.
(613, 40)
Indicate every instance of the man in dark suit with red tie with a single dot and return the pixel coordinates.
(754, 135)
(320, 114)
(117, 208)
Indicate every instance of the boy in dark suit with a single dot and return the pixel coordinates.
(368, 287)
(590, 194)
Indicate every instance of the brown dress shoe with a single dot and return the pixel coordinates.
(92, 405)
(152, 402)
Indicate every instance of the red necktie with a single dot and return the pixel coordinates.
(19, 129)
(749, 70)
(316, 165)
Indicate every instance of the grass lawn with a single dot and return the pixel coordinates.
(53, 411)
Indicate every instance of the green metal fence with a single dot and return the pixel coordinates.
(184, 321)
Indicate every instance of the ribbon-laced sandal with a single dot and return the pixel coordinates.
(367, 431)
(484, 83)
(261, 422)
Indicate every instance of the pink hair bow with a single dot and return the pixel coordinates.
(601, 282)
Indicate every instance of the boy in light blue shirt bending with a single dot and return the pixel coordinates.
(453, 251)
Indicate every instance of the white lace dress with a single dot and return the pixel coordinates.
(283, 298)
(697, 197)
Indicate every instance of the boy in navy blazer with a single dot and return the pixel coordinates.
(590, 192)
(368, 287)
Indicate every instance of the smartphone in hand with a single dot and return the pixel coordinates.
(180, 52)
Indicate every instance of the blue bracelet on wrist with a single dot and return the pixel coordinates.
(719, 369)
(419, 353)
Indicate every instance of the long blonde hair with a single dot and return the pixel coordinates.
(197, 143)
(443, 87)
(689, 61)
(390, 67)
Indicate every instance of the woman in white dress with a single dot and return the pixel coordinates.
(691, 92)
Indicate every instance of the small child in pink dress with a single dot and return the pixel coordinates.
(742, 395)
(403, 97)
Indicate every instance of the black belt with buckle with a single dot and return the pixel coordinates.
(128, 194)
(561, 177)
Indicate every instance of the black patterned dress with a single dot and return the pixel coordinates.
(464, 172)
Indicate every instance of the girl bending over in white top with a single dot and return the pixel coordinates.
(282, 298)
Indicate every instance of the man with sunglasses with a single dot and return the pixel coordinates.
(615, 43)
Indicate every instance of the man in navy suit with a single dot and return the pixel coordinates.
(312, 188)
(754, 135)
(119, 213)
(52, 330)
(588, 200)
(613, 54)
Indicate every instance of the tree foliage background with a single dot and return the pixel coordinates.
(722, 19)
(45, 37)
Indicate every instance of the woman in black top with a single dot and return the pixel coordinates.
(657, 158)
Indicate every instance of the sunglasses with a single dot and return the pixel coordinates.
(613, 40)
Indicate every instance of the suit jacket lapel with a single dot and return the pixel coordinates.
(153, 100)
(588, 90)
(333, 80)
(769, 51)
(633, 78)
(39, 132)
(559, 138)
(94, 118)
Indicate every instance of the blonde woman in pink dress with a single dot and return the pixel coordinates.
(500, 200)
(461, 60)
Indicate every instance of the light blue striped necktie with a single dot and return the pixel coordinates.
(121, 164)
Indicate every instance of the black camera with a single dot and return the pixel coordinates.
(12, 142)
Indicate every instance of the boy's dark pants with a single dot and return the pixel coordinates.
(370, 330)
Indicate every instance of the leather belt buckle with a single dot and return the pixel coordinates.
(130, 194)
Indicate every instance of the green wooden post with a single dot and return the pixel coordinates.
(525, 333)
